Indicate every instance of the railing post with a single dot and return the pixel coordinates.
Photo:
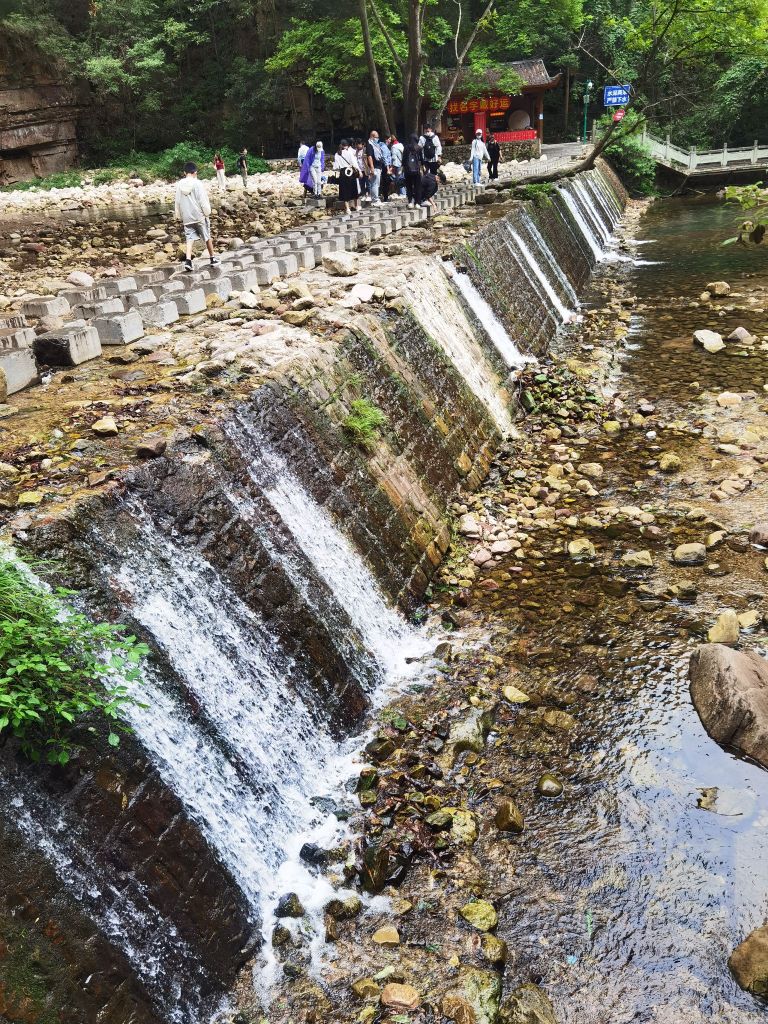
(724, 157)
(692, 158)
(754, 152)
(666, 149)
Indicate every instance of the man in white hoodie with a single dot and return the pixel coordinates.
(478, 152)
(193, 209)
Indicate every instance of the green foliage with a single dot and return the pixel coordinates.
(364, 422)
(538, 192)
(629, 157)
(58, 668)
(65, 179)
(752, 199)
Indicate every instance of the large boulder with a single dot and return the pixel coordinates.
(729, 689)
(749, 962)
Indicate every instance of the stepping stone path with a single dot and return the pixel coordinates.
(116, 311)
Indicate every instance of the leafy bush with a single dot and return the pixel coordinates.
(57, 668)
(539, 193)
(363, 422)
(629, 157)
(65, 179)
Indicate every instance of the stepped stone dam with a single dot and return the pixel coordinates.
(273, 561)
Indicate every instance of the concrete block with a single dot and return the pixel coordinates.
(145, 278)
(305, 258)
(266, 273)
(18, 370)
(84, 296)
(120, 330)
(88, 312)
(71, 345)
(350, 240)
(287, 265)
(119, 285)
(191, 302)
(12, 322)
(170, 287)
(161, 314)
(16, 337)
(46, 305)
(244, 280)
(145, 297)
(221, 286)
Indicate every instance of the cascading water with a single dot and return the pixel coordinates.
(584, 199)
(490, 323)
(539, 240)
(586, 230)
(562, 310)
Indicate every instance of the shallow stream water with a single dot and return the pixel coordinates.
(627, 897)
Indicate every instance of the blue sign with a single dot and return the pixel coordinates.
(615, 95)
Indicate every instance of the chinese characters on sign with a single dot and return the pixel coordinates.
(487, 103)
(615, 95)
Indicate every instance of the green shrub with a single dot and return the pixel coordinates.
(66, 179)
(363, 422)
(57, 668)
(538, 193)
(629, 157)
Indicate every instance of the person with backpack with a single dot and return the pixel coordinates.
(431, 149)
(242, 166)
(478, 152)
(221, 178)
(494, 152)
(412, 163)
(193, 209)
(375, 166)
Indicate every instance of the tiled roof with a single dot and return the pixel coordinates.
(533, 73)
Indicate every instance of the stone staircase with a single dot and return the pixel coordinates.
(117, 311)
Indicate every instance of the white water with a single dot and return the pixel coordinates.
(555, 300)
(550, 257)
(490, 323)
(584, 228)
(582, 196)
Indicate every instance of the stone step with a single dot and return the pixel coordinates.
(121, 329)
(160, 315)
(84, 296)
(18, 370)
(16, 337)
(144, 297)
(119, 285)
(220, 286)
(12, 322)
(88, 312)
(45, 305)
(71, 345)
(190, 302)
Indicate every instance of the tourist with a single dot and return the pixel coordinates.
(412, 162)
(345, 162)
(221, 178)
(477, 154)
(362, 163)
(193, 209)
(386, 171)
(242, 166)
(374, 167)
(396, 149)
(311, 174)
(303, 148)
(431, 149)
(494, 152)
(429, 186)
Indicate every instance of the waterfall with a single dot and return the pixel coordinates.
(601, 204)
(585, 229)
(490, 323)
(541, 277)
(584, 199)
(551, 259)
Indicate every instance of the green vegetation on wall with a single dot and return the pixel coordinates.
(363, 422)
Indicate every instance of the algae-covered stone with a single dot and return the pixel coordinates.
(509, 817)
(669, 462)
(561, 721)
(289, 906)
(366, 988)
(515, 696)
(439, 820)
(637, 559)
(464, 827)
(29, 498)
(482, 991)
(480, 914)
(494, 950)
(549, 785)
(344, 910)
(527, 1005)
(469, 734)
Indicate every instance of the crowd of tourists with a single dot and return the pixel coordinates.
(375, 172)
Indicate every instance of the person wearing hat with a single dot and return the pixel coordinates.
(477, 154)
(193, 209)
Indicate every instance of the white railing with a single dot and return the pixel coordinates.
(708, 159)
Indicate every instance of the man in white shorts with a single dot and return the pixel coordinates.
(193, 209)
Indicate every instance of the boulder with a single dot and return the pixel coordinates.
(637, 560)
(710, 341)
(719, 288)
(759, 535)
(689, 554)
(749, 963)
(341, 264)
(509, 817)
(80, 279)
(527, 1005)
(725, 629)
(729, 690)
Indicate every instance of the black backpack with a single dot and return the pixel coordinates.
(429, 148)
(412, 163)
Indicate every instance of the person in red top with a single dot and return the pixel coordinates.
(221, 177)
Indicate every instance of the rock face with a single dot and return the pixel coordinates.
(729, 690)
(527, 1005)
(749, 962)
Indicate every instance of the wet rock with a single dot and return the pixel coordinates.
(725, 629)
(749, 963)
(689, 554)
(439, 820)
(468, 734)
(289, 905)
(715, 539)
(549, 785)
(555, 720)
(480, 914)
(710, 341)
(637, 559)
(281, 937)
(27, 498)
(313, 854)
(515, 696)
(494, 949)
(151, 447)
(387, 936)
(400, 997)
(759, 535)
(509, 817)
(366, 988)
(719, 288)
(375, 868)
(344, 910)
(581, 549)
(380, 748)
(458, 1009)
(748, 620)
(105, 427)
(669, 462)
(463, 827)
(527, 1005)
(729, 690)
(728, 399)
(591, 469)
(478, 991)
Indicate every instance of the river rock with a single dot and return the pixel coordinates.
(494, 950)
(289, 905)
(527, 1005)
(710, 341)
(515, 696)
(581, 549)
(637, 560)
(729, 690)
(759, 535)
(669, 462)
(400, 997)
(725, 629)
(469, 734)
(105, 427)
(509, 817)
(591, 469)
(366, 988)
(344, 910)
(728, 399)
(341, 264)
(749, 962)
(469, 526)
(387, 936)
(719, 288)
(549, 785)
(742, 334)
(689, 554)
(478, 993)
(480, 914)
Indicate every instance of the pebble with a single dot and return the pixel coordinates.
(480, 914)
(726, 628)
(549, 785)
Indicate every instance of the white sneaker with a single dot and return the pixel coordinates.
(411, 206)
(376, 202)
(423, 204)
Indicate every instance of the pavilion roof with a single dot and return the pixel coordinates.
(532, 71)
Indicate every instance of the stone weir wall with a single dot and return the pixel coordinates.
(260, 558)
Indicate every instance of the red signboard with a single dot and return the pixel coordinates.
(618, 115)
(527, 135)
(487, 104)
